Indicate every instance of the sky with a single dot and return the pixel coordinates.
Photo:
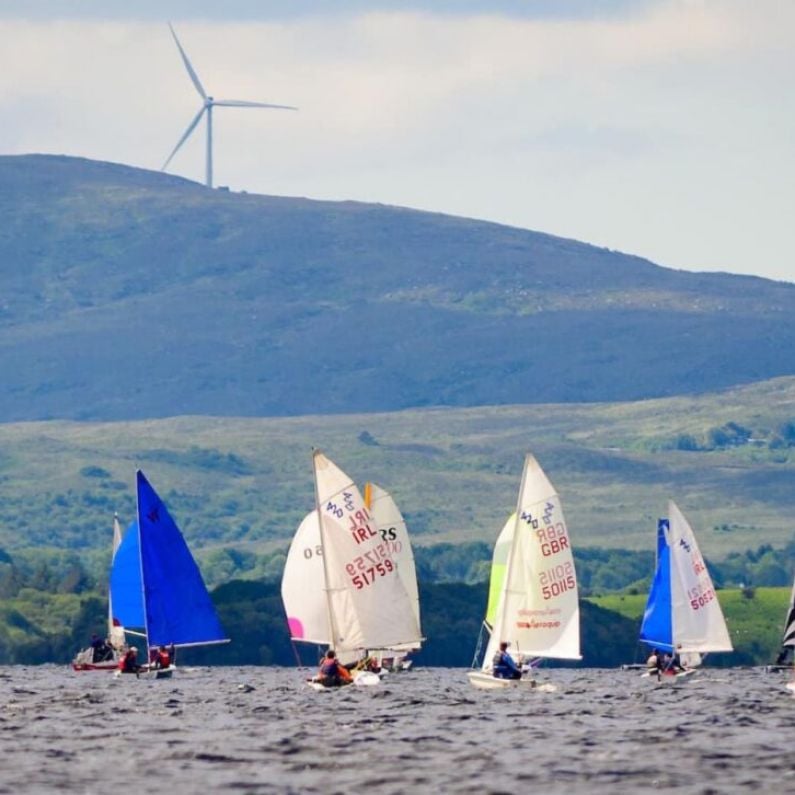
(662, 128)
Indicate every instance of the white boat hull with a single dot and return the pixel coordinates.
(485, 681)
(668, 677)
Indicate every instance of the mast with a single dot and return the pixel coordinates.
(141, 559)
(512, 553)
(326, 590)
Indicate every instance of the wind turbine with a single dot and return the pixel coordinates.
(208, 103)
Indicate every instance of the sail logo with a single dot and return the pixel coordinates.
(527, 518)
(153, 515)
(684, 545)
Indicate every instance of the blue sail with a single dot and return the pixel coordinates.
(126, 593)
(178, 607)
(657, 628)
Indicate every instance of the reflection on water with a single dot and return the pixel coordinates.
(262, 730)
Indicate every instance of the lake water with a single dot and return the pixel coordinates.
(207, 730)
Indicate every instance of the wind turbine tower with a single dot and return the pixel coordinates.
(208, 103)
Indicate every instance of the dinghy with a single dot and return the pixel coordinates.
(341, 587)
(783, 662)
(157, 590)
(683, 616)
(533, 602)
(85, 659)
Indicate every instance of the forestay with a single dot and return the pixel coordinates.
(367, 602)
(538, 611)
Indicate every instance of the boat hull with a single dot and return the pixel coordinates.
(668, 676)
(485, 681)
(104, 666)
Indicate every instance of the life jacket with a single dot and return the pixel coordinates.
(163, 659)
(128, 663)
(330, 669)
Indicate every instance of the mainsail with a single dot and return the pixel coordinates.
(789, 625)
(392, 528)
(682, 612)
(115, 629)
(537, 609)
(156, 585)
(368, 606)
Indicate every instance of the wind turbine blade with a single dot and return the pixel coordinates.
(240, 103)
(191, 128)
(193, 76)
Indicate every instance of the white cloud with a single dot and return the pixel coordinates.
(665, 132)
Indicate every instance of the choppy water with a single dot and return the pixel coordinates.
(426, 731)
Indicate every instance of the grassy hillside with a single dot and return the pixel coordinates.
(246, 483)
(131, 294)
(755, 619)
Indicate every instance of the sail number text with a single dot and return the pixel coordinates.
(557, 580)
(365, 569)
(700, 596)
(553, 539)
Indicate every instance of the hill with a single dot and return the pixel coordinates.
(239, 486)
(129, 294)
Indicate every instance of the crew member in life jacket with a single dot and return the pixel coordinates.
(654, 664)
(129, 662)
(331, 673)
(162, 658)
(503, 665)
(101, 649)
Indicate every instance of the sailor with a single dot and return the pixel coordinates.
(101, 650)
(655, 662)
(331, 673)
(673, 663)
(163, 658)
(503, 665)
(129, 662)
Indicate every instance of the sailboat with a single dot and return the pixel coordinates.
(788, 638)
(85, 659)
(156, 587)
(533, 603)
(683, 615)
(341, 586)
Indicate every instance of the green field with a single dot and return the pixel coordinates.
(755, 620)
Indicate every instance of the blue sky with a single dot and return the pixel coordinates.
(660, 128)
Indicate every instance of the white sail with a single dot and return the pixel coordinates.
(538, 610)
(696, 616)
(115, 631)
(392, 528)
(789, 624)
(367, 602)
(303, 594)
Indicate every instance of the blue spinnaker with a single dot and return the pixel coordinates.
(126, 593)
(657, 629)
(178, 607)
